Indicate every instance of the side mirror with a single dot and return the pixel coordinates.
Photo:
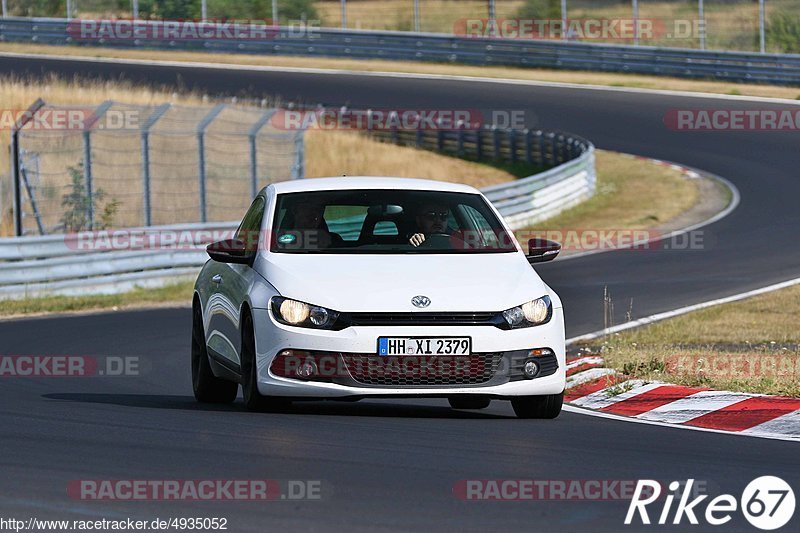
(542, 250)
(231, 251)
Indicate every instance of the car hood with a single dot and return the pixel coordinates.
(387, 283)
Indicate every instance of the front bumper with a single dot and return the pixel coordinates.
(272, 338)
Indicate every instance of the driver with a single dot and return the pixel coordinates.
(431, 219)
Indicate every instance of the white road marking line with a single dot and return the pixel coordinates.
(693, 406)
(683, 310)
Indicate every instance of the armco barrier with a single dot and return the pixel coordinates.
(62, 264)
(781, 69)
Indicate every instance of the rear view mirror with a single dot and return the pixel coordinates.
(542, 250)
(231, 251)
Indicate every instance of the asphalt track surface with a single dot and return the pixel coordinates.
(388, 465)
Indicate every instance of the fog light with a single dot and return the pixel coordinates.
(531, 369)
(307, 369)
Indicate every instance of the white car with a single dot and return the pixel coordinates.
(349, 288)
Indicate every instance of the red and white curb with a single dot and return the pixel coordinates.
(602, 390)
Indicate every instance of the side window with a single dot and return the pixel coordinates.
(481, 227)
(250, 227)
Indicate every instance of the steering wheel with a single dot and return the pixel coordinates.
(437, 240)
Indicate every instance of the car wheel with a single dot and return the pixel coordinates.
(207, 387)
(457, 402)
(254, 400)
(538, 406)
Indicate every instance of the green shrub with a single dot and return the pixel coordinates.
(783, 32)
(540, 9)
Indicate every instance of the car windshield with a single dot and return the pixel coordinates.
(387, 221)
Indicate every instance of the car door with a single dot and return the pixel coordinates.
(232, 281)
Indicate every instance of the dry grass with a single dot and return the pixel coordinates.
(631, 194)
(749, 346)
(337, 153)
(545, 75)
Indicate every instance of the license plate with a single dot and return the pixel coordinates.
(424, 346)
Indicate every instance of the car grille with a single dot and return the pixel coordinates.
(423, 319)
(413, 371)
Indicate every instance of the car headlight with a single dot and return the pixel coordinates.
(533, 313)
(303, 315)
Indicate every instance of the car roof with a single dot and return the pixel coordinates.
(368, 182)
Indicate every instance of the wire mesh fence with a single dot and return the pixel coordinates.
(118, 165)
(711, 24)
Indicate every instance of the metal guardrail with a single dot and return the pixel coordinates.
(780, 69)
(86, 263)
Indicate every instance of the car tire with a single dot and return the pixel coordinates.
(253, 399)
(457, 402)
(548, 406)
(206, 386)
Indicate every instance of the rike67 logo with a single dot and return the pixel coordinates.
(767, 502)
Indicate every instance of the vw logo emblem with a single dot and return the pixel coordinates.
(421, 301)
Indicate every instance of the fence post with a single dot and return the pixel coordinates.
(5, 8)
(512, 145)
(496, 142)
(201, 156)
(254, 150)
(702, 15)
(275, 12)
(416, 16)
(762, 31)
(636, 22)
(344, 14)
(87, 160)
(15, 162)
(149, 123)
(479, 143)
(393, 119)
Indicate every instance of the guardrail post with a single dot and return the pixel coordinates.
(393, 119)
(528, 148)
(540, 148)
(16, 163)
(253, 137)
(298, 169)
(201, 156)
(512, 145)
(151, 120)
